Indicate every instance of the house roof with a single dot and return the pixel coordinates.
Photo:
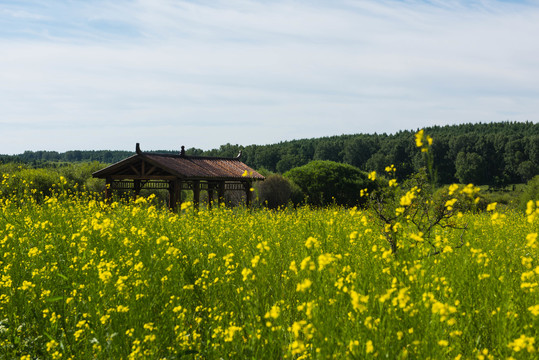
(156, 165)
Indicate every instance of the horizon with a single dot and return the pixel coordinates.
(107, 74)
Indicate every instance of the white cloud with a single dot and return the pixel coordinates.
(203, 73)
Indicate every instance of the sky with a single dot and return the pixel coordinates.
(97, 74)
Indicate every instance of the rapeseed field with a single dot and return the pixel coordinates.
(82, 279)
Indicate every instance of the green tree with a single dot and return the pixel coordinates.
(325, 182)
(289, 161)
(329, 149)
(531, 192)
(469, 168)
(358, 151)
(267, 157)
(527, 170)
(276, 190)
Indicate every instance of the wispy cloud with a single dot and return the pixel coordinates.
(105, 74)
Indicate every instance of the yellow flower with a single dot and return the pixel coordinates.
(104, 319)
(311, 242)
(534, 310)
(443, 343)
(51, 345)
(246, 273)
(122, 309)
(369, 348)
(447, 249)
(230, 332)
(521, 343)
(492, 206)
(307, 262)
(407, 199)
(304, 285)
(418, 237)
(33, 252)
(358, 300)
(452, 189)
(531, 240)
(324, 260)
(419, 138)
(27, 285)
(255, 260)
(372, 175)
(273, 313)
(392, 182)
(78, 334)
(449, 204)
(186, 205)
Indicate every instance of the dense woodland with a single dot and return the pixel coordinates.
(494, 154)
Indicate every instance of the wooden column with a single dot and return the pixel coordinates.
(171, 193)
(108, 189)
(177, 194)
(196, 193)
(221, 192)
(174, 194)
(248, 193)
(136, 186)
(210, 194)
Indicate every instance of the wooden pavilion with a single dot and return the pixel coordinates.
(177, 172)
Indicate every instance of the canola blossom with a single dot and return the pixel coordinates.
(82, 279)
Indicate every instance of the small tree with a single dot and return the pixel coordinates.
(277, 190)
(531, 192)
(327, 182)
(413, 211)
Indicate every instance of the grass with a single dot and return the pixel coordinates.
(83, 279)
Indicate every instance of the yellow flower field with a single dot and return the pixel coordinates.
(81, 279)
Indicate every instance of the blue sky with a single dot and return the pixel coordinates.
(107, 74)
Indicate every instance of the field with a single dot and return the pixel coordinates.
(82, 279)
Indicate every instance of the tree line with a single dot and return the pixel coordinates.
(494, 154)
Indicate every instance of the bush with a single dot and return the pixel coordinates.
(39, 182)
(327, 182)
(81, 173)
(530, 193)
(277, 191)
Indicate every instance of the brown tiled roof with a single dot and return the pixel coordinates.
(204, 167)
(185, 167)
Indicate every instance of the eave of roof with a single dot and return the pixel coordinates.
(188, 167)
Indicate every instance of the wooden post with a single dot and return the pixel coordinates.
(177, 194)
(210, 195)
(196, 193)
(171, 195)
(108, 189)
(174, 194)
(221, 193)
(136, 184)
(248, 193)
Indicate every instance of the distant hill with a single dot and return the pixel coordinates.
(492, 154)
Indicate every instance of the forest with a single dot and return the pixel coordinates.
(493, 154)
